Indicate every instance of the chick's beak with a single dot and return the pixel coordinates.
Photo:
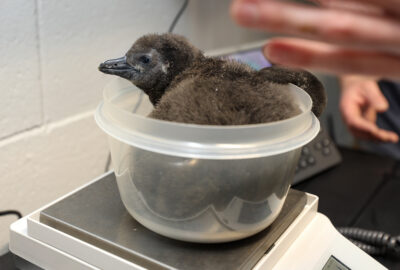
(118, 67)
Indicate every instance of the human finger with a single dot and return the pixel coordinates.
(381, 135)
(367, 88)
(375, 97)
(362, 135)
(372, 137)
(360, 116)
(354, 6)
(391, 6)
(331, 58)
(360, 98)
(370, 114)
(386, 136)
(342, 27)
(364, 129)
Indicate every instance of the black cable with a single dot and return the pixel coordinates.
(372, 242)
(11, 212)
(366, 236)
(177, 17)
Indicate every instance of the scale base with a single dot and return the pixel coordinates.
(69, 234)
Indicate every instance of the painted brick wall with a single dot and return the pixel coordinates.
(49, 53)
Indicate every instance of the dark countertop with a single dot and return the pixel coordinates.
(363, 191)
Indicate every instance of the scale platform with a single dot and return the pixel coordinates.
(91, 229)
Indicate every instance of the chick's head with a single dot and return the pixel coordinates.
(152, 62)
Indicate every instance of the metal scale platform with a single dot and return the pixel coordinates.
(90, 229)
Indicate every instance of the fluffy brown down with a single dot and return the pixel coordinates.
(229, 95)
(220, 92)
(202, 90)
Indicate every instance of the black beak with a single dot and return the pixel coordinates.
(118, 67)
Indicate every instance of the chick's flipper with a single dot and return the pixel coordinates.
(301, 78)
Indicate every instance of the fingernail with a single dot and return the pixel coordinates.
(247, 12)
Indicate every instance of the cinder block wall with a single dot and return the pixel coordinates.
(50, 86)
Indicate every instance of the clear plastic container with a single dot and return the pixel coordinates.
(201, 183)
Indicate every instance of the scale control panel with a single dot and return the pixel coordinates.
(321, 247)
(317, 156)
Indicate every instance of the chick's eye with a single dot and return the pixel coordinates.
(144, 59)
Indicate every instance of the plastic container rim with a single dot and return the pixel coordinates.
(252, 146)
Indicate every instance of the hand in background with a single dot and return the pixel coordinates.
(350, 36)
(360, 102)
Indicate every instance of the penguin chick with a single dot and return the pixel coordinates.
(186, 86)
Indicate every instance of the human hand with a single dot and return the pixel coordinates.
(349, 36)
(360, 102)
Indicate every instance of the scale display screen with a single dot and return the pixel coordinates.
(252, 57)
(334, 264)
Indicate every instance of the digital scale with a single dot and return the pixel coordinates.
(90, 228)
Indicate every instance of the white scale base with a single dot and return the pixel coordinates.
(310, 242)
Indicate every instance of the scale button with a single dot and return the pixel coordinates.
(305, 151)
(311, 160)
(326, 151)
(318, 146)
(326, 142)
(303, 163)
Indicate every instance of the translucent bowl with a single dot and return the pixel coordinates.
(201, 183)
